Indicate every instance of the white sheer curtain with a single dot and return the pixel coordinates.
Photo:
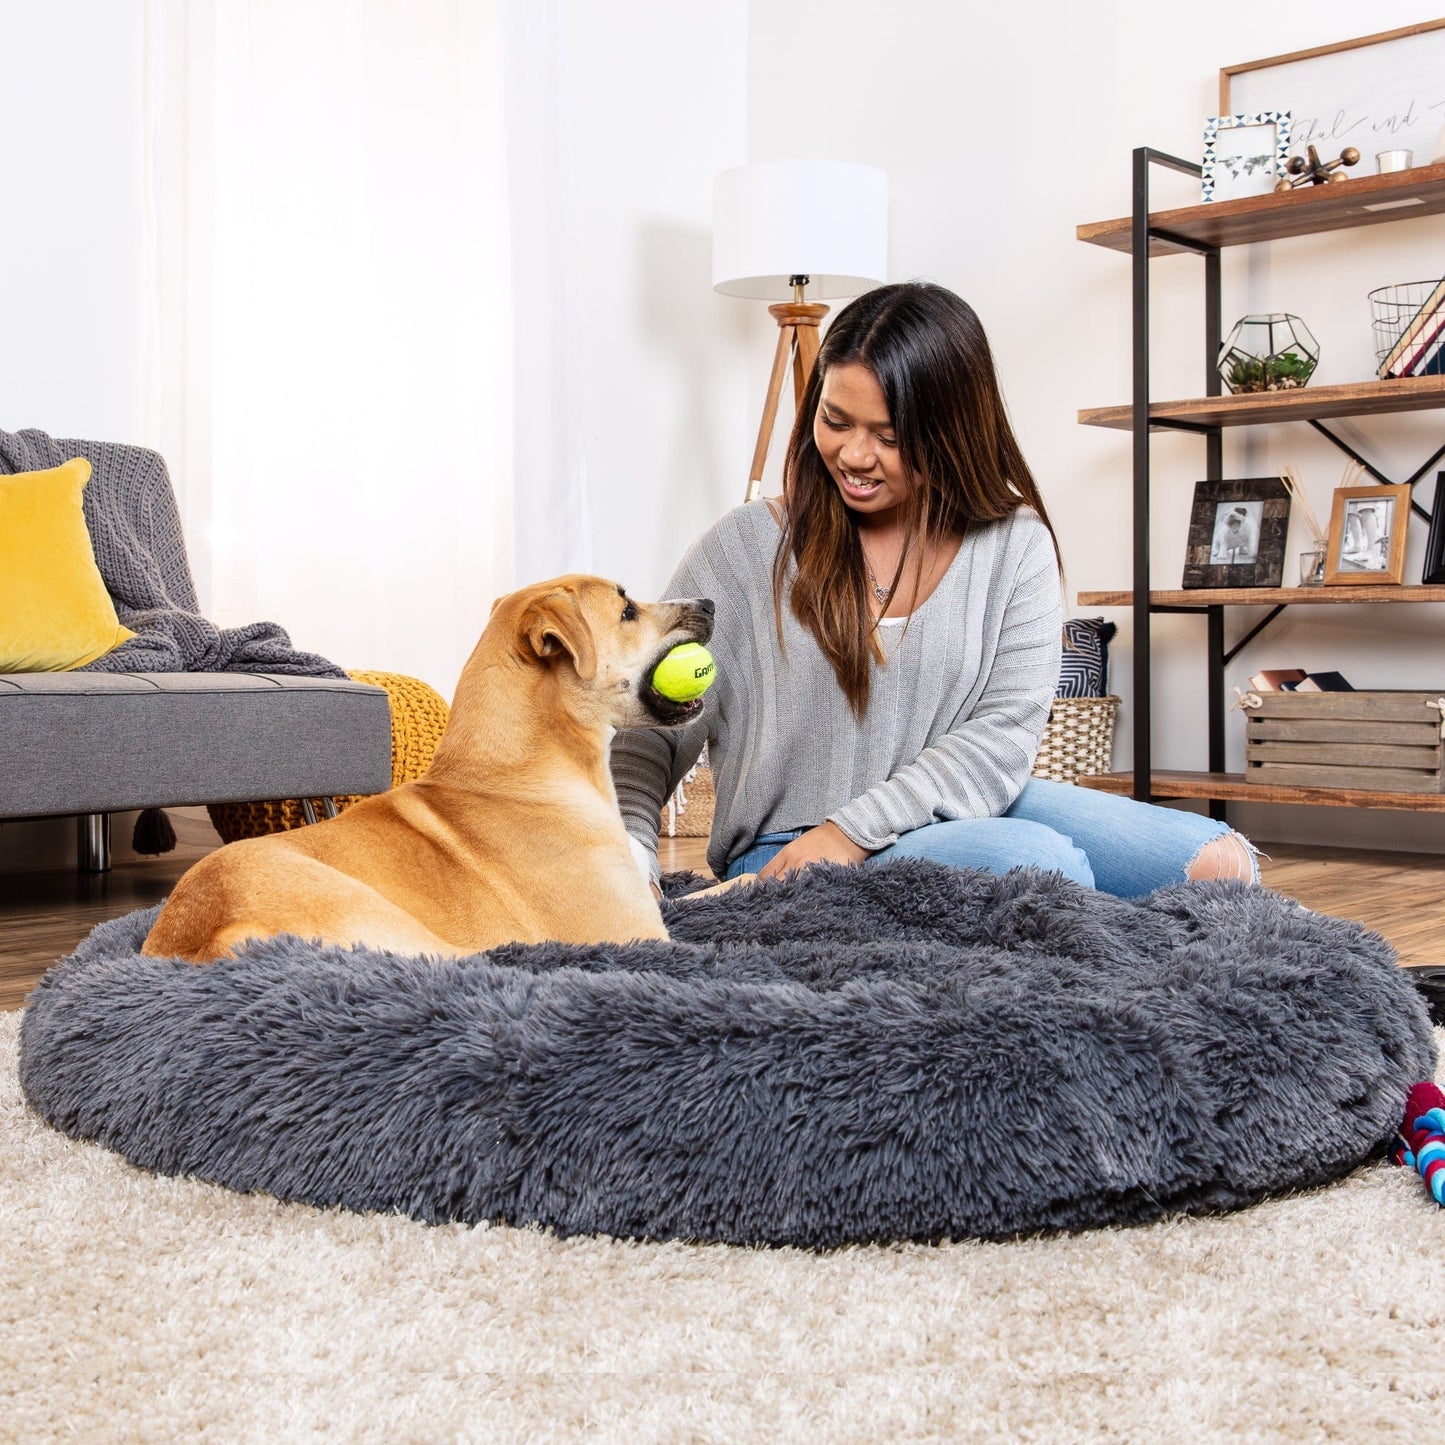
(554, 522)
(331, 350)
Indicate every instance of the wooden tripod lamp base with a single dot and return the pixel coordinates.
(798, 343)
(780, 227)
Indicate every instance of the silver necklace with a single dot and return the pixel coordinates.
(880, 592)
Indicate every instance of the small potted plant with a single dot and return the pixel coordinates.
(1276, 352)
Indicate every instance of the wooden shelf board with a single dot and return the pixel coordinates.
(1399, 196)
(1266, 596)
(1356, 398)
(1231, 787)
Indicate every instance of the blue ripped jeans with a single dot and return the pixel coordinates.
(1103, 841)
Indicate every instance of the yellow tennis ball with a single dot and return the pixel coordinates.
(685, 673)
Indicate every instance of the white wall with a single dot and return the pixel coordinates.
(1002, 128)
(658, 94)
(71, 245)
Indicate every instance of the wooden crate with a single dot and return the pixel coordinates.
(1388, 741)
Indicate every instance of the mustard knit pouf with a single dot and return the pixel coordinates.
(418, 716)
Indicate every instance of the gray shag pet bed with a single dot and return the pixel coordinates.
(887, 1053)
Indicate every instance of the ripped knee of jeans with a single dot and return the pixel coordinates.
(1228, 856)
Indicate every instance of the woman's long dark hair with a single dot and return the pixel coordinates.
(932, 360)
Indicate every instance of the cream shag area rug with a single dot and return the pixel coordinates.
(139, 1308)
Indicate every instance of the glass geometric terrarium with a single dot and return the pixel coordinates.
(1268, 353)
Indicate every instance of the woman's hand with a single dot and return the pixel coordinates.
(827, 843)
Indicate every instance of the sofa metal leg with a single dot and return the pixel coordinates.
(92, 843)
(308, 809)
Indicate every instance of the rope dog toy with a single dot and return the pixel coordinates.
(1420, 1144)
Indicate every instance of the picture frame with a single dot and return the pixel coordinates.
(1237, 533)
(1379, 92)
(1434, 573)
(1368, 529)
(1244, 154)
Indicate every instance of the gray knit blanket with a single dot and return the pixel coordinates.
(135, 531)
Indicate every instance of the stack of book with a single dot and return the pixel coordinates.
(1420, 351)
(1296, 679)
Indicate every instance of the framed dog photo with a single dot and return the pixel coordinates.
(1367, 535)
(1244, 155)
(1237, 533)
(1435, 544)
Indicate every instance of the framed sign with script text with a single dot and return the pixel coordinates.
(1380, 92)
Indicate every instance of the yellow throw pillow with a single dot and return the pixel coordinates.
(55, 613)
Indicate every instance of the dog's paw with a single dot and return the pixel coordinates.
(723, 886)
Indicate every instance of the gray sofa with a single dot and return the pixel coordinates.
(92, 743)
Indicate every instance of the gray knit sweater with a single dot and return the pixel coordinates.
(954, 716)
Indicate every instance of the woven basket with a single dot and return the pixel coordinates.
(1079, 738)
(688, 813)
(418, 716)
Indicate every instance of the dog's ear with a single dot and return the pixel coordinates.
(555, 623)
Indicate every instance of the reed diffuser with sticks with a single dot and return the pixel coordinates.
(1311, 561)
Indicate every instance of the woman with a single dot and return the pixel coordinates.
(888, 639)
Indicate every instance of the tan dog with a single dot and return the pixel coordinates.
(512, 835)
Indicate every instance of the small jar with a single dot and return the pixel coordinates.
(1312, 566)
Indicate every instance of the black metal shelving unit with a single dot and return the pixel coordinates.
(1203, 231)
(1143, 234)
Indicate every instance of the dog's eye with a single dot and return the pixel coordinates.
(629, 613)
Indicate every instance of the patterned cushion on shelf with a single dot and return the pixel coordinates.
(1084, 671)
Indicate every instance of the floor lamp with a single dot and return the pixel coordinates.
(787, 230)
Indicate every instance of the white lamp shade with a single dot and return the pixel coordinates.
(827, 220)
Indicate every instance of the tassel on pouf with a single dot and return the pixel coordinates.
(153, 833)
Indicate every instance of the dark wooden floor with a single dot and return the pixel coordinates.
(43, 915)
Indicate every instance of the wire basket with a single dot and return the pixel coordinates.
(1078, 738)
(1392, 309)
(688, 812)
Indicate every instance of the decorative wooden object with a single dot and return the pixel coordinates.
(798, 342)
(1386, 742)
(1315, 172)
